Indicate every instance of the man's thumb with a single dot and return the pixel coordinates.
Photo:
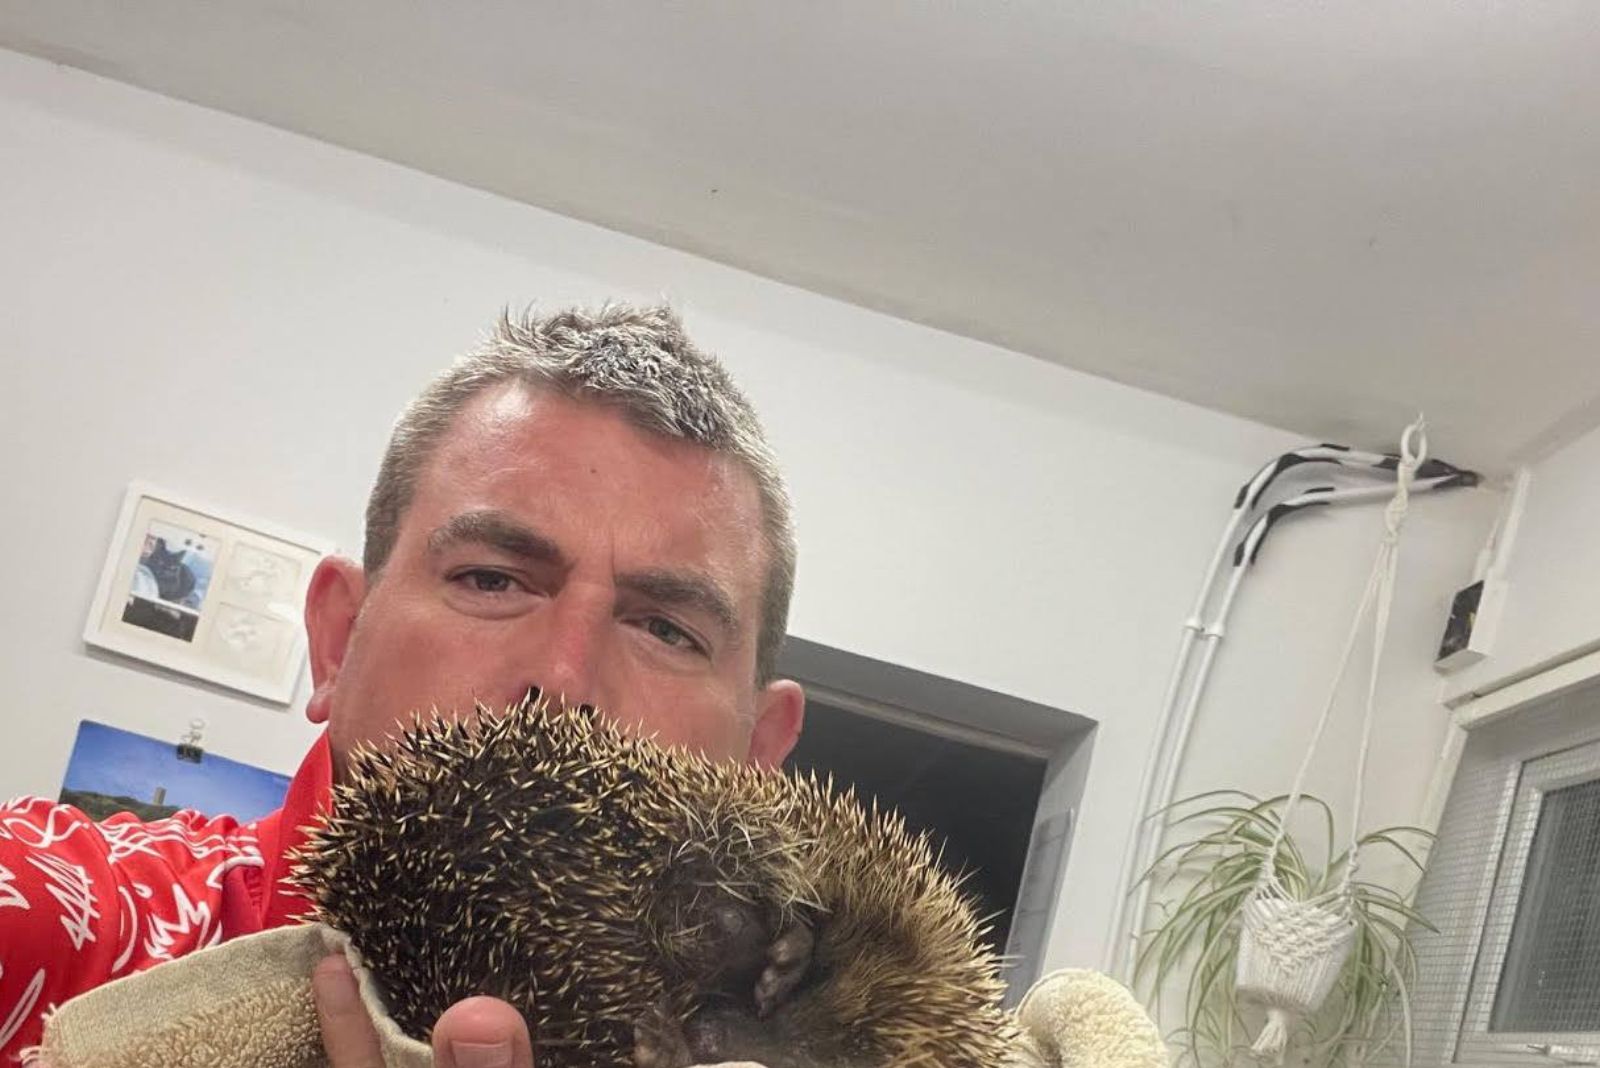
(481, 1032)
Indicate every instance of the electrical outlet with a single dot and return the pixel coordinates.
(1470, 632)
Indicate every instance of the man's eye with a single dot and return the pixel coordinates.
(669, 632)
(485, 581)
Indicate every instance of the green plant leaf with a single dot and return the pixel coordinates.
(1224, 838)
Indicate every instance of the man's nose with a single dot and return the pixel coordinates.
(566, 655)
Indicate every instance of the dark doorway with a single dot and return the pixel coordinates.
(978, 801)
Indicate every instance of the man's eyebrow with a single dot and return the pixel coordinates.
(685, 590)
(497, 530)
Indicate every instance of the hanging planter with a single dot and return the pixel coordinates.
(1340, 1014)
(1290, 955)
(1256, 512)
(1293, 935)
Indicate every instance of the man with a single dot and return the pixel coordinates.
(586, 505)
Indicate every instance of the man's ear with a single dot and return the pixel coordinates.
(780, 711)
(332, 604)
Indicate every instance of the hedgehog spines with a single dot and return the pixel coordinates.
(598, 880)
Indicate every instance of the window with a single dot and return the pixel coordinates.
(1513, 974)
(1551, 978)
(1542, 925)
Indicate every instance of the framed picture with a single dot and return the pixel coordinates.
(205, 593)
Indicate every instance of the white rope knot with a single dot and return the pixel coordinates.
(1413, 451)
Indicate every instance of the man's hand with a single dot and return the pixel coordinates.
(479, 1032)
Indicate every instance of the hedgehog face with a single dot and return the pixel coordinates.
(552, 542)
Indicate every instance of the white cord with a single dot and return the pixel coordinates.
(1379, 596)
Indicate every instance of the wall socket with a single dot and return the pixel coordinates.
(1474, 618)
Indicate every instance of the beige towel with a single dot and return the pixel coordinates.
(1081, 1019)
(243, 1004)
(247, 1004)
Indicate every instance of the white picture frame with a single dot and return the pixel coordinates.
(206, 593)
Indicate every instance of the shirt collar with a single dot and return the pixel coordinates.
(285, 830)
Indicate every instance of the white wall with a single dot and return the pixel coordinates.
(1553, 573)
(238, 313)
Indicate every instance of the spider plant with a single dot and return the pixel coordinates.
(1205, 878)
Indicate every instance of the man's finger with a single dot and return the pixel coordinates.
(347, 1032)
(481, 1033)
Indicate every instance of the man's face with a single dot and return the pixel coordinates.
(551, 543)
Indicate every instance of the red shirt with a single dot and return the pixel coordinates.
(82, 903)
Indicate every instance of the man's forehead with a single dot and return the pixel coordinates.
(703, 504)
(534, 420)
(508, 402)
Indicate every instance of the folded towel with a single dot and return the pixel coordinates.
(1078, 1018)
(247, 1004)
(243, 1004)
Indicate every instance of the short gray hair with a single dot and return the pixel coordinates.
(638, 360)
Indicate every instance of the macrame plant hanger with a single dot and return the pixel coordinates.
(1292, 950)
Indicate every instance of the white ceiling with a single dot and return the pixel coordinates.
(1319, 215)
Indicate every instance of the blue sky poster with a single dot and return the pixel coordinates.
(113, 770)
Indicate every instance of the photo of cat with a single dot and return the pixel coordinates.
(169, 584)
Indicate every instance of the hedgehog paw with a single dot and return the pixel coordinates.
(659, 1042)
(788, 957)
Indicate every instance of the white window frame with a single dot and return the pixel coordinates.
(1539, 776)
(1516, 703)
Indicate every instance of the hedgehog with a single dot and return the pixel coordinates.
(643, 905)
